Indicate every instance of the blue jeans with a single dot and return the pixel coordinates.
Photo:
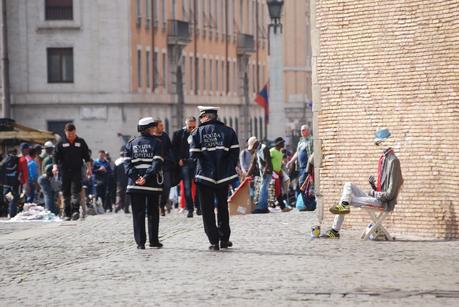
(48, 194)
(302, 174)
(251, 191)
(263, 198)
(31, 195)
(49, 202)
(235, 183)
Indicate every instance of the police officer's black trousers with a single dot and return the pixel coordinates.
(207, 197)
(140, 203)
(71, 188)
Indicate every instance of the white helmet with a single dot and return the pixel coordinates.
(145, 123)
(49, 144)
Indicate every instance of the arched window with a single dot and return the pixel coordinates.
(224, 120)
(256, 127)
(250, 127)
(236, 125)
(231, 122)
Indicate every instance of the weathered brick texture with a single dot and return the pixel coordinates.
(395, 64)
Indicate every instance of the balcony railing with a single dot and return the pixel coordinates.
(59, 13)
(178, 32)
(245, 43)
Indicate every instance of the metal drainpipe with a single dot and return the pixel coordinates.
(6, 103)
(152, 27)
(257, 55)
(195, 43)
(226, 48)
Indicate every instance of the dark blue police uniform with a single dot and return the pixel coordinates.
(215, 148)
(143, 159)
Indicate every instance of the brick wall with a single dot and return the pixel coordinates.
(391, 64)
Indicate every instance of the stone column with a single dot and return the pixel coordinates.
(277, 120)
(175, 84)
(243, 91)
(315, 51)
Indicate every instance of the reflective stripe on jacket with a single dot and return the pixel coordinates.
(144, 159)
(215, 147)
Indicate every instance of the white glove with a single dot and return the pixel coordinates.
(372, 193)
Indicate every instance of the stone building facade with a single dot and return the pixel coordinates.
(104, 63)
(69, 61)
(389, 64)
(297, 64)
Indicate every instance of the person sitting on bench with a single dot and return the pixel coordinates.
(383, 192)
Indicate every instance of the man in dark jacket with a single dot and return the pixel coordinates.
(216, 149)
(166, 146)
(68, 160)
(12, 175)
(144, 168)
(102, 170)
(121, 179)
(181, 149)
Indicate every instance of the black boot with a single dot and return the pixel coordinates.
(214, 247)
(75, 216)
(226, 244)
(260, 211)
(156, 244)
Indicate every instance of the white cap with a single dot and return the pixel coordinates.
(146, 121)
(252, 140)
(207, 109)
(49, 144)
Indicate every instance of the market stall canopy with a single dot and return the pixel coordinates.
(12, 131)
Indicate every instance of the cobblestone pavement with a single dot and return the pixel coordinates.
(273, 263)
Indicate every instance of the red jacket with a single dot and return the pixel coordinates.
(23, 172)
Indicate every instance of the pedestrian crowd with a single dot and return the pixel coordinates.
(202, 163)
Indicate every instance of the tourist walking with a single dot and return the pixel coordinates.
(69, 155)
(122, 201)
(166, 146)
(13, 176)
(102, 171)
(181, 149)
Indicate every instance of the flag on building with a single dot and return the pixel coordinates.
(263, 101)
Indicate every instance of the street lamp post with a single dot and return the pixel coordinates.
(277, 119)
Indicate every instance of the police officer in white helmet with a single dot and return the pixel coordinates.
(143, 166)
(215, 147)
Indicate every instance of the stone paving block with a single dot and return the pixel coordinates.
(274, 262)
